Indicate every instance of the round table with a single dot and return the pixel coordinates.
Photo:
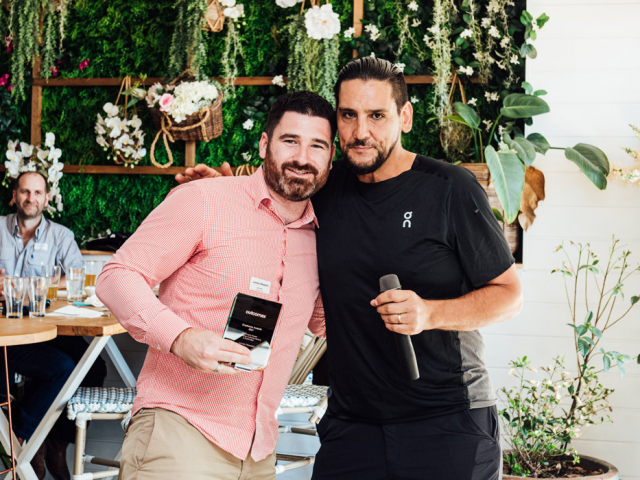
(20, 331)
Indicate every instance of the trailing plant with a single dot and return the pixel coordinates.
(542, 417)
(229, 60)
(188, 47)
(28, 40)
(313, 63)
(509, 155)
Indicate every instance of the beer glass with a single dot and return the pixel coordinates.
(38, 288)
(75, 284)
(53, 273)
(14, 290)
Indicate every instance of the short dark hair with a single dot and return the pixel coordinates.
(369, 68)
(16, 181)
(305, 103)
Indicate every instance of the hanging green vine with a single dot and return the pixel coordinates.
(188, 49)
(312, 64)
(229, 60)
(441, 44)
(25, 31)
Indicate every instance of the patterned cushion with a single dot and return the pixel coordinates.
(100, 400)
(302, 395)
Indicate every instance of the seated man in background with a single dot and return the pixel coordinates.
(28, 241)
(194, 417)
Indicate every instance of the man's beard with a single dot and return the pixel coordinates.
(292, 189)
(23, 214)
(378, 161)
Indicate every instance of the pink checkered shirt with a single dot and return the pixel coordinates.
(203, 244)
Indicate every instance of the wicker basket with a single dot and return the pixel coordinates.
(201, 126)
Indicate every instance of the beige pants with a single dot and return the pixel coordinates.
(162, 445)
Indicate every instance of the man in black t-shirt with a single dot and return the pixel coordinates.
(386, 210)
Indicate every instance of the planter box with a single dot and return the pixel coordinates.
(611, 472)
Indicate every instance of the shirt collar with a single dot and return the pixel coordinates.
(15, 229)
(260, 193)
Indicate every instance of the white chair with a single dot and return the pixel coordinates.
(109, 403)
(97, 403)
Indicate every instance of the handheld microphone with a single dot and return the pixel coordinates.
(404, 346)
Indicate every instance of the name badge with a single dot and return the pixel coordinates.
(258, 285)
(41, 246)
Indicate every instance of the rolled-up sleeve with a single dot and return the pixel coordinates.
(317, 322)
(165, 241)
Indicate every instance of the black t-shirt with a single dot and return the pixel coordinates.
(433, 227)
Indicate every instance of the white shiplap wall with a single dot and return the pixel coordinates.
(589, 62)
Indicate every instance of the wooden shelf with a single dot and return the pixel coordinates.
(121, 170)
(115, 82)
(259, 81)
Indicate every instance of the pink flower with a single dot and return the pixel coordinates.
(4, 79)
(54, 70)
(83, 64)
(166, 101)
(10, 87)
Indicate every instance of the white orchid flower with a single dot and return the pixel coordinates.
(43, 155)
(26, 149)
(111, 109)
(12, 144)
(121, 141)
(50, 139)
(55, 172)
(30, 167)
(55, 154)
(14, 156)
(286, 3)
(101, 141)
(135, 122)
(59, 205)
(140, 153)
(228, 3)
(13, 168)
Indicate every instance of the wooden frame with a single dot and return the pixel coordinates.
(190, 149)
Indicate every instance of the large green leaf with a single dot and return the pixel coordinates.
(468, 113)
(539, 143)
(591, 161)
(520, 105)
(507, 172)
(526, 150)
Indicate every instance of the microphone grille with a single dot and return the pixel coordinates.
(389, 282)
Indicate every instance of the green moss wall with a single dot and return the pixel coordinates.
(132, 37)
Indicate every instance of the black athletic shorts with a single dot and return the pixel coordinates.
(458, 446)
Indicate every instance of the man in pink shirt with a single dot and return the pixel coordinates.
(195, 417)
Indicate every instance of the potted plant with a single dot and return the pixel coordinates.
(509, 155)
(541, 417)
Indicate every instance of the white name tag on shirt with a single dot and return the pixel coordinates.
(258, 285)
(41, 246)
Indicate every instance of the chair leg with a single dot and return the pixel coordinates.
(81, 438)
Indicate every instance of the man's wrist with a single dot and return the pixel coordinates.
(178, 340)
(433, 316)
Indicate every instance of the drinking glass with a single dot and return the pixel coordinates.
(38, 288)
(14, 290)
(92, 270)
(75, 284)
(53, 273)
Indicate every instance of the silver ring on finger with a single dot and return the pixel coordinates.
(399, 318)
(217, 368)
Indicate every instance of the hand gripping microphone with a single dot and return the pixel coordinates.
(404, 346)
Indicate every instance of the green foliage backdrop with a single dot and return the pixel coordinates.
(132, 37)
